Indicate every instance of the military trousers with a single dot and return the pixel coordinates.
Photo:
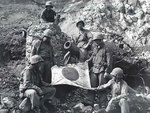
(83, 55)
(46, 71)
(35, 99)
(123, 103)
(96, 80)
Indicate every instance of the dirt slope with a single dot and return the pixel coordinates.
(12, 46)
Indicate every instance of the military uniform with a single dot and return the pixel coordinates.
(84, 38)
(121, 92)
(46, 52)
(33, 87)
(102, 63)
(48, 15)
(118, 91)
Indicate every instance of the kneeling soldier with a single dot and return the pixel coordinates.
(33, 87)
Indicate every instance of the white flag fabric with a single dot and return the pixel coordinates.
(72, 74)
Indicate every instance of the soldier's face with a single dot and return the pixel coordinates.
(48, 7)
(118, 78)
(80, 26)
(99, 42)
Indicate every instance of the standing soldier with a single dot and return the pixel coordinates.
(33, 87)
(84, 40)
(45, 50)
(82, 44)
(101, 60)
(48, 15)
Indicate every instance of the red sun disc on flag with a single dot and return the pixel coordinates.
(70, 73)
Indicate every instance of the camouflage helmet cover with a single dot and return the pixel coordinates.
(80, 22)
(98, 36)
(49, 3)
(36, 59)
(48, 33)
(117, 72)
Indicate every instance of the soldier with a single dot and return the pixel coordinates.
(84, 40)
(82, 44)
(48, 15)
(101, 66)
(45, 50)
(101, 60)
(33, 87)
(120, 91)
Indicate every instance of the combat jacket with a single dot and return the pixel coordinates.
(42, 49)
(84, 38)
(31, 79)
(119, 88)
(48, 15)
(101, 59)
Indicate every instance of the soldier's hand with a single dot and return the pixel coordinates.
(99, 88)
(93, 89)
(114, 99)
(84, 47)
(139, 95)
(87, 61)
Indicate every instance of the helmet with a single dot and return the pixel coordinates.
(49, 3)
(48, 33)
(117, 72)
(36, 59)
(80, 22)
(98, 36)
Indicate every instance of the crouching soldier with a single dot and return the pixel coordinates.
(33, 87)
(120, 92)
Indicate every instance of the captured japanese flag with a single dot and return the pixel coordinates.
(72, 74)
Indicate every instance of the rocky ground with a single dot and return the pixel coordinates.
(17, 17)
